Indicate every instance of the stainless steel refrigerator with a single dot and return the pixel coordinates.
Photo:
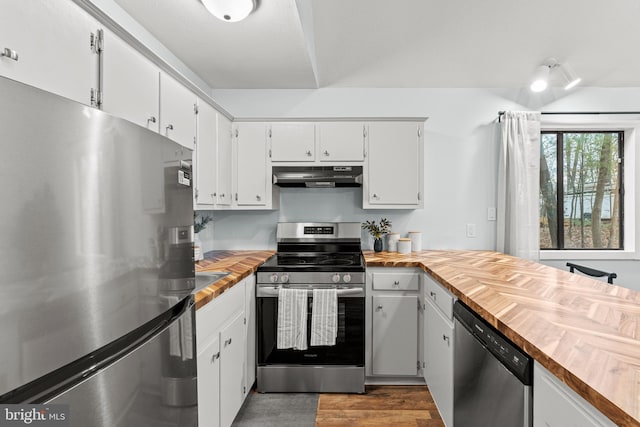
(96, 264)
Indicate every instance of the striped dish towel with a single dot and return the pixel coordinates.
(324, 317)
(292, 319)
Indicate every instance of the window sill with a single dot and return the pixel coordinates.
(578, 255)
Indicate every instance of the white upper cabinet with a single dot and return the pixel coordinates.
(292, 142)
(251, 164)
(177, 113)
(130, 84)
(47, 45)
(205, 157)
(341, 141)
(224, 163)
(395, 166)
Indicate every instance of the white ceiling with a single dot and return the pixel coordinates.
(399, 43)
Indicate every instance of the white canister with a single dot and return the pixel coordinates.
(404, 246)
(416, 240)
(392, 242)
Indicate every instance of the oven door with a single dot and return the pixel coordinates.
(349, 348)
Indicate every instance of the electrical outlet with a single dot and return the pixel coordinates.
(491, 214)
(471, 230)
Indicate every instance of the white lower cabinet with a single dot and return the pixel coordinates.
(209, 383)
(223, 355)
(395, 329)
(438, 354)
(556, 405)
(438, 346)
(394, 347)
(232, 347)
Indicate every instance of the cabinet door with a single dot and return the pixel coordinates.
(292, 142)
(231, 369)
(177, 114)
(438, 353)
(130, 84)
(224, 162)
(395, 335)
(556, 405)
(250, 332)
(209, 384)
(205, 156)
(251, 170)
(51, 40)
(394, 160)
(341, 141)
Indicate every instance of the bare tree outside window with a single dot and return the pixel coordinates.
(585, 210)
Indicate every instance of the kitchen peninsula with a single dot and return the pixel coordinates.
(584, 331)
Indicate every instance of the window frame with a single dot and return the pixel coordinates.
(630, 124)
(560, 190)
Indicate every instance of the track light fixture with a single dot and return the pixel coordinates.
(230, 10)
(540, 79)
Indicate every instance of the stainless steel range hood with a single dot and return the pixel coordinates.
(317, 176)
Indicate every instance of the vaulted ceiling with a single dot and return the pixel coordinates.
(399, 43)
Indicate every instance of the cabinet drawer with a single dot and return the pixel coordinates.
(439, 296)
(395, 281)
(214, 315)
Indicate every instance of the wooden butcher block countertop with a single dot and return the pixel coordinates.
(584, 331)
(239, 264)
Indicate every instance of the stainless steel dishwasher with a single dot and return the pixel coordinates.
(492, 376)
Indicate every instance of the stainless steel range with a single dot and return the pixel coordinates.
(313, 256)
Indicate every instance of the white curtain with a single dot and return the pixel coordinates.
(519, 185)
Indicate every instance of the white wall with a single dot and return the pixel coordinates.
(461, 142)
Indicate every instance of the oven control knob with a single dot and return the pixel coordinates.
(346, 278)
(274, 278)
(284, 278)
(335, 278)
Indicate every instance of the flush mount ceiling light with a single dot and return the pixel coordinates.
(540, 79)
(230, 10)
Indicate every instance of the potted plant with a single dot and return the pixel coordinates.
(377, 231)
(198, 226)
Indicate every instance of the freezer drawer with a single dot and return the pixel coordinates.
(156, 384)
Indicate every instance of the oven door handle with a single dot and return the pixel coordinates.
(272, 291)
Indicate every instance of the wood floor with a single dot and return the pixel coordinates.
(380, 406)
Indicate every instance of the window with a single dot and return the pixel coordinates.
(581, 190)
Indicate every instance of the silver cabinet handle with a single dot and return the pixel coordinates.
(221, 194)
(227, 342)
(446, 339)
(169, 127)
(433, 295)
(326, 153)
(396, 282)
(308, 152)
(375, 196)
(379, 308)
(151, 119)
(9, 53)
(258, 198)
(215, 357)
